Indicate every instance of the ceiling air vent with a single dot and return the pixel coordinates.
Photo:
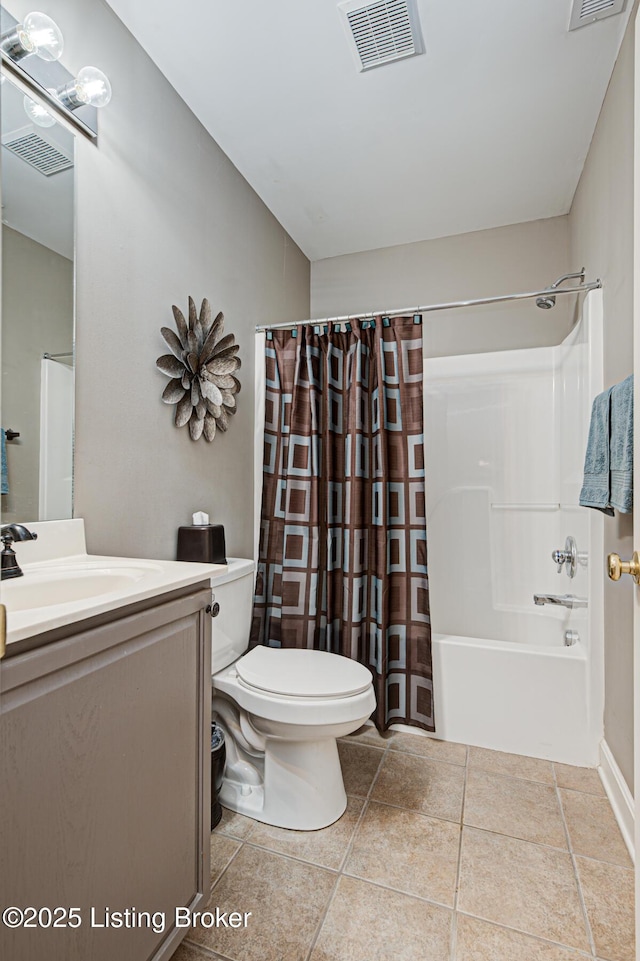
(43, 154)
(383, 31)
(588, 11)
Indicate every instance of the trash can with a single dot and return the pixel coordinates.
(218, 758)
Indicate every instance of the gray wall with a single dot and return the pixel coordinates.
(522, 257)
(37, 316)
(601, 223)
(161, 214)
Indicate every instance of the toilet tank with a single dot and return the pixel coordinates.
(233, 591)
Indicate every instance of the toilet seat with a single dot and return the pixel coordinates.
(291, 709)
(302, 673)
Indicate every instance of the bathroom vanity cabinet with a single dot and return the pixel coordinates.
(104, 792)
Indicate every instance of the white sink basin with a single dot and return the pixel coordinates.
(63, 586)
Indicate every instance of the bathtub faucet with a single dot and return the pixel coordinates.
(563, 600)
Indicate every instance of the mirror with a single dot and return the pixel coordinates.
(37, 310)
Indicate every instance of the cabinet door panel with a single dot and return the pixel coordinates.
(101, 794)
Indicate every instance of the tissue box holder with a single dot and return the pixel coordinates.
(203, 543)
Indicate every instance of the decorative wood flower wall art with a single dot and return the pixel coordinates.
(201, 367)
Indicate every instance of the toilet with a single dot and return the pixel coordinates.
(281, 711)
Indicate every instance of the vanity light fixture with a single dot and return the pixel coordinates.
(38, 113)
(91, 87)
(53, 89)
(37, 34)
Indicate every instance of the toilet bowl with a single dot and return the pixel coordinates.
(282, 711)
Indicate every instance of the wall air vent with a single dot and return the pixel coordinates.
(383, 31)
(588, 11)
(37, 150)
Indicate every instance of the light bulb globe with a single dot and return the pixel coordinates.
(93, 87)
(39, 34)
(37, 113)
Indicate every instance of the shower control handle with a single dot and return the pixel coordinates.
(616, 568)
(560, 558)
(568, 556)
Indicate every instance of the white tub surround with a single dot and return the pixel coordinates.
(63, 584)
(505, 438)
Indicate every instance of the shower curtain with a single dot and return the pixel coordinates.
(342, 563)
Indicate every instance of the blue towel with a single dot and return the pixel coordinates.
(608, 463)
(595, 487)
(4, 478)
(621, 447)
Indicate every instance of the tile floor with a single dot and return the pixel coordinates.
(445, 853)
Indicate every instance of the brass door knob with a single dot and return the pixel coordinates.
(616, 567)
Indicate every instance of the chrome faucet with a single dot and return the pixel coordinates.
(9, 533)
(570, 558)
(562, 600)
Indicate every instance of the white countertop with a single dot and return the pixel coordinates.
(49, 578)
(143, 579)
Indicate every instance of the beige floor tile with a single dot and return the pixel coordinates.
(222, 850)
(407, 851)
(608, 892)
(593, 830)
(367, 923)
(360, 764)
(429, 747)
(286, 898)
(418, 783)
(584, 779)
(481, 941)
(513, 765)
(192, 952)
(369, 734)
(235, 825)
(326, 847)
(519, 808)
(521, 885)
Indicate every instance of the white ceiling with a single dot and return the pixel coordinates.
(39, 207)
(490, 127)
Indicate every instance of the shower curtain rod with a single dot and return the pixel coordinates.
(549, 291)
(47, 356)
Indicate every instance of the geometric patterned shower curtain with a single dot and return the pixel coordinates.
(343, 544)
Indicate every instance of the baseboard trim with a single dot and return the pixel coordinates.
(619, 795)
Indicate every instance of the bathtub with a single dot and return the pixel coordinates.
(507, 696)
(505, 435)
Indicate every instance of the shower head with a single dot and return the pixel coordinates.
(546, 302)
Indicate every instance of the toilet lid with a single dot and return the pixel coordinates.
(302, 673)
